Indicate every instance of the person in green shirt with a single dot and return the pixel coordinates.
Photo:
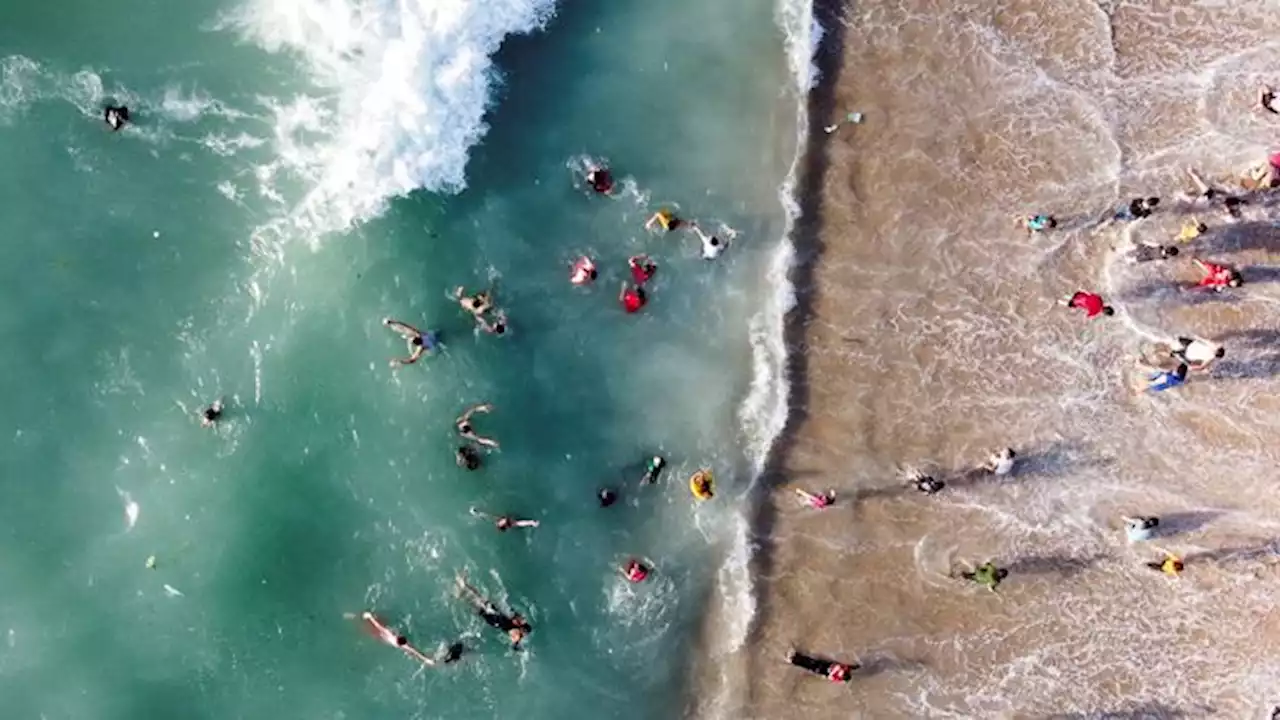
(986, 574)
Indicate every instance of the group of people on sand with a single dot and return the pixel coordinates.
(468, 453)
(1173, 359)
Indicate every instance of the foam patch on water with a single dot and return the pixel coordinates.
(803, 36)
(400, 94)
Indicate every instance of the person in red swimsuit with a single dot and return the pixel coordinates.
(632, 298)
(1217, 277)
(642, 268)
(1090, 303)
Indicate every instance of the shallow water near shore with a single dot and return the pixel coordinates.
(244, 238)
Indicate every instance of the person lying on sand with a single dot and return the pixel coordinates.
(1267, 100)
(816, 501)
(1036, 223)
(830, 669)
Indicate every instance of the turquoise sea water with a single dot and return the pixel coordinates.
(244, 238)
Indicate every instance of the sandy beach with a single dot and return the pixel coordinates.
(927, 334)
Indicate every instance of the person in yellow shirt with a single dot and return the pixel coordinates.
(1171, 565)
(1191, 230)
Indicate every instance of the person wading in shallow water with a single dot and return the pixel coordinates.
(986, 574)
(834, 671)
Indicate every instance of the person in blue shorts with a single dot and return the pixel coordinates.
(1166, 379)
(420, 343)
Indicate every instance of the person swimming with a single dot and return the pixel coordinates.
(642, 268)
(478, 304)
(635, 571)
(116, 116)
(600, 180)
(606, 497)
(210, 415)
(513, 624)
(632, 298)
(420, 343)
(583, 271)
(465, 429)
(653, 470)
(665, 219)
(987, 575)
(505, 522)
(834, 671)
(466, 457)
(924, 483)
(712, 245)
(386, 635)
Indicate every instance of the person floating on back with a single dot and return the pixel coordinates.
(210, 415)
(505, 522)
(1140, 527)
(815, 500)
(834, 671)
(395, 640)
(513, 624)
(1091, 303)
(1000, 462)
(583, 271)
(1036, 223)
(1217, 277)
(664, 219)
(632, 298)
(116, 116)
(420, 343)
(987, 575)
(465, 429)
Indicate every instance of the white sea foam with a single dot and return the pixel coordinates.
(804, 34)
(400, 94)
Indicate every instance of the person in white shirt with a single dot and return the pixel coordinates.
(712, 245)
(1000, 462)
(1198, 353)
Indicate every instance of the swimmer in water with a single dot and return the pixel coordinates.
(712, 245)
(583, 271)
(634, 571)
(1036, 223)
(464, 428)
(1267, 100)
(115, 116)
(653, 470)
(209, 416)
(1000, 462)
(467, 458)
(986, 574)
(925, 483)
(513, 624)
(665, 219)
(478, 304)
(816, 501)
(504, 522)
(632, 298)
(420, 343)
(606, 497)
(600, 180)
(497, 327)
(829, 669)
(642, 268)
(386, 635)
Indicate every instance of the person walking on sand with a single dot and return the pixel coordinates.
(505, 522)
(1217, 277)
(1000, 462)
(1140, 527)
(1091, 303)
(815, 500)
(987, 575)
(210, 415)
(465, 429)
(1036, 223)
(395, 640)
(513, 624)
(834, 671)
(420, 343)
(1197, 353)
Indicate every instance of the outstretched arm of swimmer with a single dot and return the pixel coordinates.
(487, 442)
(418, 352)
(404, 329)
(526, 523)
(471, 594)
(416, 654)
(480, 408)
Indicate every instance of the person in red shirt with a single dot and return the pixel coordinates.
(1217, 277)
(642, 268)
(632, 298)
(1090, 303)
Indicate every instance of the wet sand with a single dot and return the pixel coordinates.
(927, 335)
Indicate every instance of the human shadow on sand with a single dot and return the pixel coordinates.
(1145, 711)
(1054, 460)
(1181, 523)
(1261, 366)
(1237, 237)
(879, 663)
(1063, 564)
(1238, 554)
(1181, 292)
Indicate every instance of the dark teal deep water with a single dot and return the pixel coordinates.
(199, 253)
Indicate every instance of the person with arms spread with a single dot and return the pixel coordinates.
(420, 343)
(465, 429)
(513, 624)
(505, 522)
(395, 640)
(1091, 303)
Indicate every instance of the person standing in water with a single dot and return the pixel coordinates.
(210, 415)
(465, 429)
(600, 180)
(420, 343)
(583, 271)
(712, 245)
(632, 298)
(115, 116)
(1091, 303)
(467, 458)
(653, 470)
(393, 639)
(635, 571)
(513, 624)
(923, 482)
(816, 501)
(504, 522)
